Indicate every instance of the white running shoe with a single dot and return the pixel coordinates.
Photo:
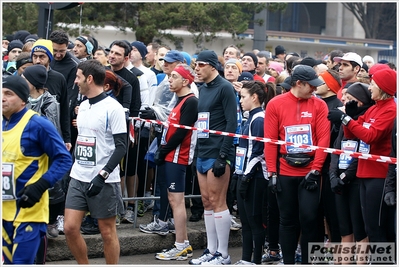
(172, 254)
(242, 262)
(234, 226)
(60, 224)
(206, 255)
(217, 259)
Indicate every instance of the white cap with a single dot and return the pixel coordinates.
(368, 58)
(350, 56)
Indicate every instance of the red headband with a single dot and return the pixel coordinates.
(330, 81)
(184, 73)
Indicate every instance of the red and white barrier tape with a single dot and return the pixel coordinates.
(278, 142)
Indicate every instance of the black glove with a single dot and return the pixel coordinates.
(159, 157)
(96, 185)
(243, 190)
(336, 116)
(219, 167)
(336, 183)
(390, 198)
(310, 181)
(147, 113)
(351, 108)
(233, 184)
(274, 184)
(31, 194)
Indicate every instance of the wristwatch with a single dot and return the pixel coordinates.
(315, 172)
(346, 120)
(104, 174)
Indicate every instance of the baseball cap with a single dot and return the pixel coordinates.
(173, 56)
(286, 84)
(306, 74)
(245, 76)
(350, 56)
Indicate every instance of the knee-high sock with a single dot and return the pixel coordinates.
(222, 224)
(211, 234)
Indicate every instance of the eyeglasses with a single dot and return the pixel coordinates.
(201, 64)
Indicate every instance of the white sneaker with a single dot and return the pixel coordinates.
(234, 226)
(129, 216)
(60, 224)
(172, 254)
(242, 262)
(206, 255)
(148, 204)
(217, 259)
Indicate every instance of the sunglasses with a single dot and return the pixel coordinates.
(201, 64)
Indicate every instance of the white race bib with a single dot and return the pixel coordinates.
(364, 147)
(8, 181)
(298, 134)
(344, 159)
(240, 158)
(203, 123)
(85, 150)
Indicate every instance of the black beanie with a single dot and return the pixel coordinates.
(140, 47)
(31, 38)
(8, 37)
(36, 75)
(279, 50)
(14, 44)
(361, 92)
(254, 57)
(23, 61)
(209, 56)
(18, 85)
(21, 35)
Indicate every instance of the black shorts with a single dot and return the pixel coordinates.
(175, 175)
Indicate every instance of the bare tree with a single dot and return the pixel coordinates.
(377, 19)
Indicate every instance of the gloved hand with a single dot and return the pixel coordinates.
(310, 181)
(336, 116)
(351, 108)
(31, 194)
(96, 185)
(390, 198)
(274, 184)
(233, 184)
(147, 113)
(336, 183)
(243, 190)
(159, 157)
(219, 167)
